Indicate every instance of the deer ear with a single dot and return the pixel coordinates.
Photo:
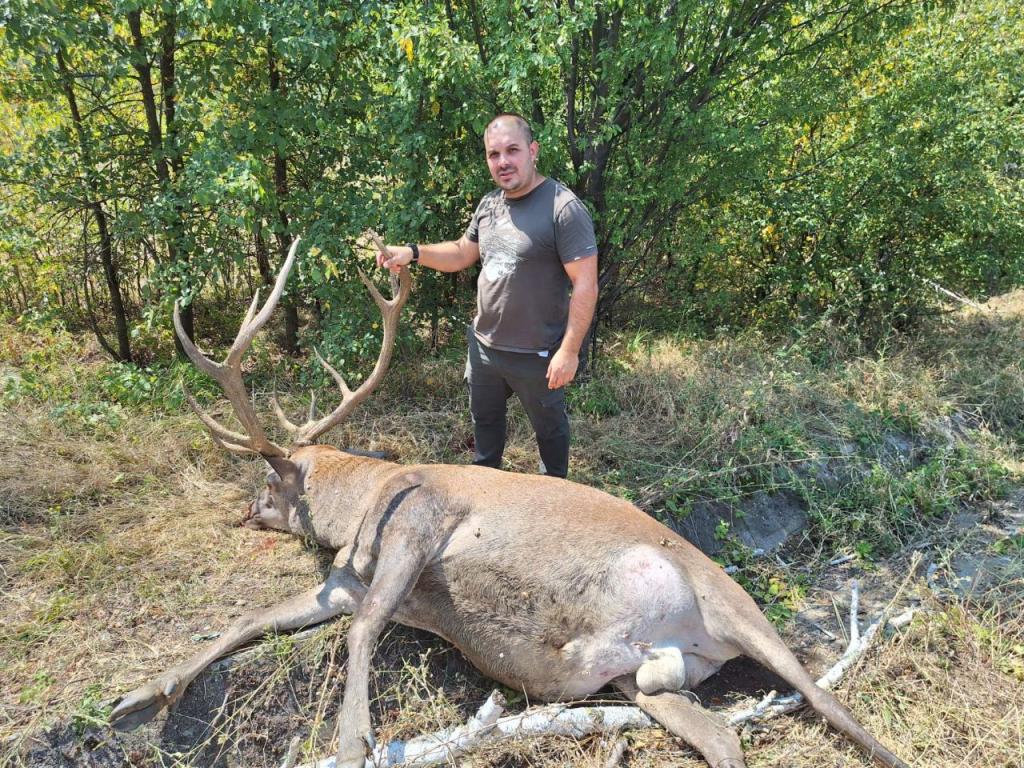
(286, 468)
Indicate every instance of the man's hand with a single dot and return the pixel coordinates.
(562, 368)
(394, 258)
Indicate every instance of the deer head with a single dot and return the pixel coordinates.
(284, 483)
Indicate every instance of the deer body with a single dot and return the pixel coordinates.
(514, 568)
(550, 587)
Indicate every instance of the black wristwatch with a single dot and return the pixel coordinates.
(415, 252)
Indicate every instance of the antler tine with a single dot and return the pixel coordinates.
(229, 374)
(390, 309)
(201, 361)
(251, 326)
(222, 436)
(378, 299)
(400, 286)
(216, 371)
(282, 418)
(249, 314)
(338, 378)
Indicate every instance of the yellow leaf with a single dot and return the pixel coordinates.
(406, 45)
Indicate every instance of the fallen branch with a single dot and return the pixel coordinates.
(956, 297)
(292, 755)
(854, 610)
(443, 747)
(841, 559)
(772, 705)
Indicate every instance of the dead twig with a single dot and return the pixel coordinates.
(956, 297)
(487, 726)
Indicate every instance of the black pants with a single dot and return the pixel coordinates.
(493, 376)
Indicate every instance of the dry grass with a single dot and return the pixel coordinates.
(120, 551)
(119, 545)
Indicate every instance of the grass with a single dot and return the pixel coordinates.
(871, 445)
(119, 536)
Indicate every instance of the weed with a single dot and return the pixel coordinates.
(90, 710)
(779, 594)
(34, 692)
(45, 622)
(1012, 546)
(593, 398)
(282, 648)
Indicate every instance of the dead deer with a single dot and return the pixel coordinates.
(547, 586)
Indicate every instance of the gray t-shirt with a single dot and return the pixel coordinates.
(523, 291)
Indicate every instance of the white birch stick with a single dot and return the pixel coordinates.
(954, 296)
(854, 610)
(443, 747)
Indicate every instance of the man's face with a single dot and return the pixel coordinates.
(510, 158)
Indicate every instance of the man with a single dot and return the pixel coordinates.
(534, 238)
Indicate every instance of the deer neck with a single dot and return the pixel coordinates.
(339, 490)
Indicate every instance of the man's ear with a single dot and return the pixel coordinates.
(286, 469)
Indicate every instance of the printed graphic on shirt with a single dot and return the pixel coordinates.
(500, 245)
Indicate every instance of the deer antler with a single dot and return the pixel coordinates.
(390, 310)
(229, 373)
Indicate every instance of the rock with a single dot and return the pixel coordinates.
(975, 573)
(766, 521)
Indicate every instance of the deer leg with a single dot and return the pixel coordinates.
(399, 564)
(340, 593)
(716, 742)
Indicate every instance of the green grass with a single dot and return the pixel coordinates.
(875, 447)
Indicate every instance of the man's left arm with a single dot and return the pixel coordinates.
(583, 276)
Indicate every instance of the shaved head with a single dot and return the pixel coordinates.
(511, 120)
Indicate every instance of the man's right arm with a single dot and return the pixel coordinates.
(451, 256)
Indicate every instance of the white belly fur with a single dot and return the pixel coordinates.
(654, 630)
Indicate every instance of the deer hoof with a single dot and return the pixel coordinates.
(352, 752)
(143, 704)
(128, 721)
(353, 762)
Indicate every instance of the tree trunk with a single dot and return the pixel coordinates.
(291, 311)
(21, 289)
(160, 152)
(113, 280)
(262, 255)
